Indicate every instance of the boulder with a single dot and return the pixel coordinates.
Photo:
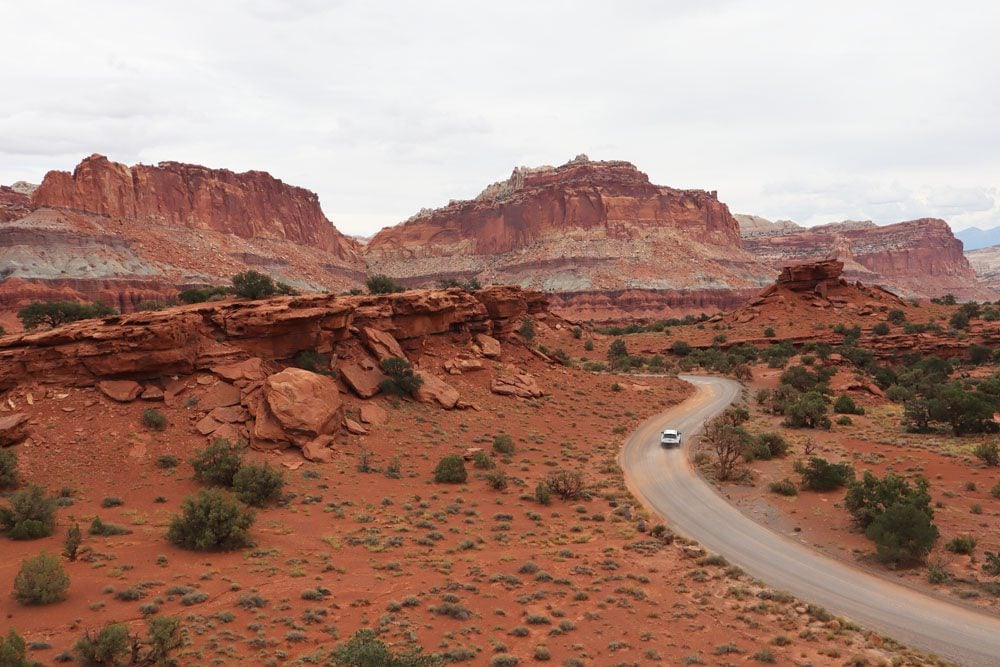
(152, 393)
(458, 366)
(13, 429)
(123, 391)
(207, 425)
(516, 383)
(354, 427)
(373, 414)
(219, 395)
(363, 382)
(318, 449)
(229, 414)
(252, 369)
(435, 390)
(230, 432)
(381, 344)
(303, 405)
(489, 345)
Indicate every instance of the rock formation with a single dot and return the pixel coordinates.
(130, 234)
(986, 263)
(598, 236)
(918, 258)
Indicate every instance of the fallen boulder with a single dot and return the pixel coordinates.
(489, 345)
(362, 381)
(516, 383)
(13, 429)
(296, 406)
(433, 389)
(123, 391)
(373, 414)
(381, 344)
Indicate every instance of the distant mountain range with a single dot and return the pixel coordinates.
(974, 238)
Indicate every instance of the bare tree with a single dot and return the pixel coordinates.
(729, 441)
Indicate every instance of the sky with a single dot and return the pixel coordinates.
(808, 111)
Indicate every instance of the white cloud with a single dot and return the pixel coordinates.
(882, 111)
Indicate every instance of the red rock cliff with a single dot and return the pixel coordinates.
(582, 228)
(918, 258)
(13, 204)
(253, 204)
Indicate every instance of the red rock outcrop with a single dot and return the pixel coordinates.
(13, 204)
(179, 341)
(251, 205)
(582, 228)
(919, 258)
(130, 234)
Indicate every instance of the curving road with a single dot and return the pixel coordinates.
(665, 480)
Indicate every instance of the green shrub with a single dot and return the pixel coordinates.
(312, 361)
(681, 348)
(880, 329)
(98, 527)
(8, 469)
(111, 646)
(870, 496)
(845, 405)
(211, 521)
(995, 491)
(202, 294)
(964, 544)
(365, 650)
(784, 488)
(768, 332)
(527, 329)
(576, 332)
(988, 453)
(163, 637)
(903, 534)
(588, 345)
(503, 444)
(451, 470)
(400, 380)
(258, 485)
(218, 463)
(41, 580)
(991, 565)
(13, 650)
(543, 494)
(807, 411)
(766, 446)
(57, 313)
(111, 501)
(496, 479)
(167, 461)
(844, 420)
(31, 514)
(821, 475)
(72, 542)
(483, 461)
(154, 419)
(897, 316)
(382, 284)
(254, 285)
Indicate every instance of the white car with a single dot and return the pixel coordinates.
(670, 438)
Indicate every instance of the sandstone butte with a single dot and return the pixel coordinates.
(128, 234)
(602, 240)
(915, 259)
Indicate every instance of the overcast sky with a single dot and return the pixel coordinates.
(804, 110)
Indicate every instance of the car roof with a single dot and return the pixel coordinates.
(669, 431)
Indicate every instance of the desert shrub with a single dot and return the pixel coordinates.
(567, 484)
(202, 294)
(112, 645)
(503, 444)
(576, 332)
(41, 580)
(98, 527)
(588, 345)
(496, 479)
(898, 394)
(995, 491)
(527, 329)
(400, 379)
(617, 353)
(394, 470)
(769, 445)
(163, 638)
(903, 534)
(218, 463)
(111, 501)
(897, 316)
(31, 514)
(212, 520)
(383, 284)
(979, 354)
(255, 285)
(8, 469)
(963, 544)
(167, 461)
(959, 320)
(845, 405)
(543, 494)
(258, 485)
(991, 565)
(784, 488)
(880, 329)
(72, 542)
(483, 461)
(821, 475)
(844, 420)
(804, 380)
(768, 332)
(57, 313)
(988, 453)
(807, 411)
(365, 649)
(869, 497)
(312, 361)
(504, 660)
(451, 470)
(13, 650)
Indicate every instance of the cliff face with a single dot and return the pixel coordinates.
(132, 234)
(250, 205)
(918, 258)
(582, 229)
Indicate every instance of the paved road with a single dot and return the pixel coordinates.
(665, 480)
